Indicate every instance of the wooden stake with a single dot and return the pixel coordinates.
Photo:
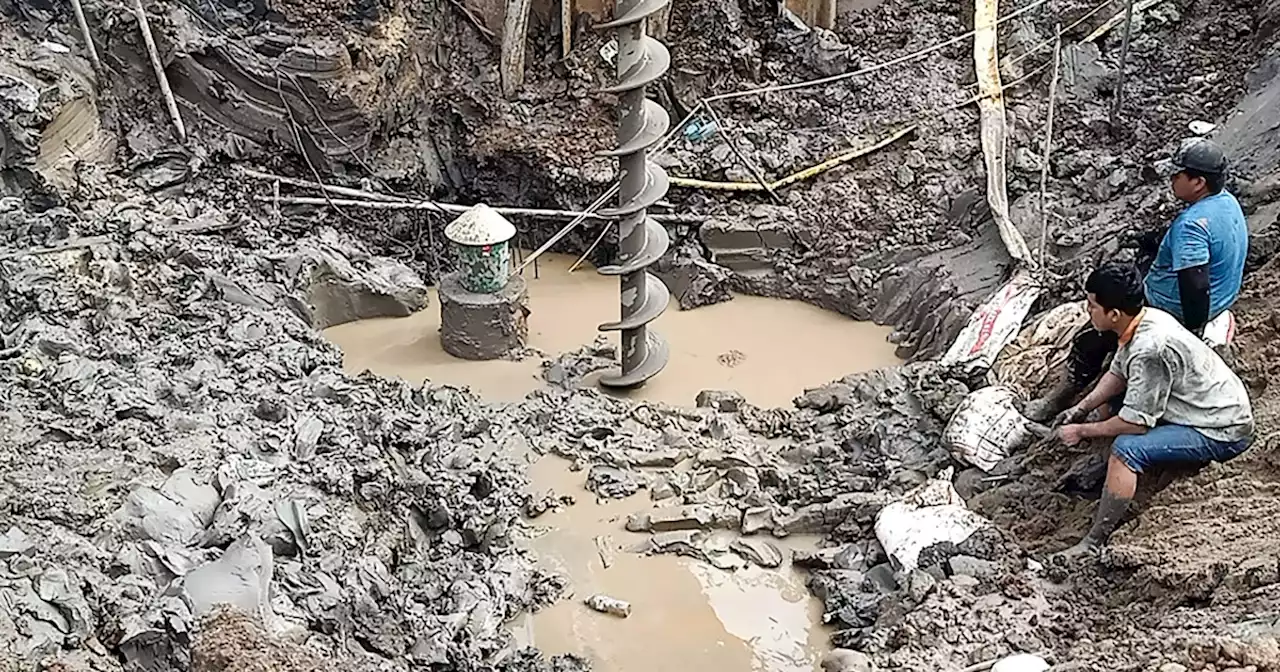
(1124, 59)
(514, 30)
(165, 92)
(566, 28)
(83, 24)
(826, 14)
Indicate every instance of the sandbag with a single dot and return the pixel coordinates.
(928, 514)
(1021, 662)
(987, 427)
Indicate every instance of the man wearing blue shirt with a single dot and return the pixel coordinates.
(1196, 274)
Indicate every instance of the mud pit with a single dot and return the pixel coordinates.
(685, 612)
(170, 414)
(768, 350)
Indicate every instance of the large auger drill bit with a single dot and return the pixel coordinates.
(641, 240)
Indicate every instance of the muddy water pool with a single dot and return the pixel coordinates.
(768, 350)
(686, 615)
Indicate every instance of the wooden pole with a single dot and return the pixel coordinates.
(514, 30)
(1048, 144)
(826, 14)
(83, 24)
(566, 28)
(165, 92)
(1124, 60)
(454, 208)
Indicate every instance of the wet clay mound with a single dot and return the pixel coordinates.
(52, 129)
(176, 438)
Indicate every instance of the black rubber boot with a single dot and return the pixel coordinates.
(1111, 512)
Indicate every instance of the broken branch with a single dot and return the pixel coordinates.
(1114, 21)
(484, 30)
(750, 166)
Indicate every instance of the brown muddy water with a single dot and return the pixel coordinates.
(686, 615)
(769, 350)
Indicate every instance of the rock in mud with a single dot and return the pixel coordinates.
(758, 551)
(724, 401)
(692, 280)
(341, 283)
(975, 567)
(846, 660)
(672, 519)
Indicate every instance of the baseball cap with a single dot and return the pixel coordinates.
(1198, 154)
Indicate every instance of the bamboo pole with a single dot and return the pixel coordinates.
(1124, 61)
(83, 24)
(454, 208)
(1048, 145)
(165, 92)
(308, 184)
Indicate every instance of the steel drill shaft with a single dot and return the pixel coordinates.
(641, 241)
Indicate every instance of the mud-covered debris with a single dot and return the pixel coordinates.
(609, 605)
(724, 401)
(13, 541)
(846, 660)
(613, 482)
(341, 284)
(679, 542)
(672, 519)
(758, 551)
(693, 281)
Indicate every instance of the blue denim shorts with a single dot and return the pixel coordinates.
(1172, 444)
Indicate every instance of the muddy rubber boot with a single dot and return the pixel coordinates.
(1111, 511)
(1045, 408)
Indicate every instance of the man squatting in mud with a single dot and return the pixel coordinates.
(1166, 382)
(1195, 276)
(1168, 398)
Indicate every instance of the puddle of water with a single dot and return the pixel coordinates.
(769, 350)
(686, 615)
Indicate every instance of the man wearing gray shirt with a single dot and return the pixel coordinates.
(1181, 402)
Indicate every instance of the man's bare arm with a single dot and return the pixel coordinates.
(1112, 427)
(1109, 386)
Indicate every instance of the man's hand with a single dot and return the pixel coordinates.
(1071, 416)
(1071, 434)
